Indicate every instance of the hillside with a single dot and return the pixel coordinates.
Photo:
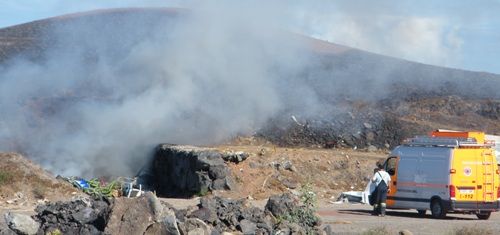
(342, 96)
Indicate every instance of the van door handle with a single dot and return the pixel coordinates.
(479, 187)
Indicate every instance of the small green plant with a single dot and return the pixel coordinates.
(5, 178)
(54, 232)
(305, 214)
(96, 188)
(202, 192)
(377, 231)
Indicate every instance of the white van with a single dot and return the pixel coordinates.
(445, 172)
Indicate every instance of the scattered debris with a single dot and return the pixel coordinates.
(297, 122)
(95, 187)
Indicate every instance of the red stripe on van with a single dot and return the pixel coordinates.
(422, 185)
(466, 187)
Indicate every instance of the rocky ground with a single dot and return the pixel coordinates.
(265, 171)
(250, 208)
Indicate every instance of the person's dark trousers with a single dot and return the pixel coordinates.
(381, 197)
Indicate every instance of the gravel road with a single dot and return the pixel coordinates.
(357, 218)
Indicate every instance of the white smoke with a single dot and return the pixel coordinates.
(104, 97)
(384, 27)
(109, 89)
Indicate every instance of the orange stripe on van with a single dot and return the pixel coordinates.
(422, 185)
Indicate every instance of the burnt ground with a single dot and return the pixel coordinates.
(387, 123)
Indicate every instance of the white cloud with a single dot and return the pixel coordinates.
(428, 40)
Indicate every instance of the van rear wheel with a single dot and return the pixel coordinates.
(421, 212)
(437, 209)
(484, 215)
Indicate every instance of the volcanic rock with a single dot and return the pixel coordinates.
(188, 170)
(235, 157)
(281, 205)
(74, 217)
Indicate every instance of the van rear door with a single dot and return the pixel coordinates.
(466, 176)
(487, 172)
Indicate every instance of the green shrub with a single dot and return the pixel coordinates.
(305, 214)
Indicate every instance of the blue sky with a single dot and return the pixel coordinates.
(452, 33)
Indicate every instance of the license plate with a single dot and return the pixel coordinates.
(466, 191)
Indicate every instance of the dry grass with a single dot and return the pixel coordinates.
(472, 230)
(20, 175)
(5, 178)
(377, 231)
(39, 192)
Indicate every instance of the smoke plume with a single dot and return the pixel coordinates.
(110, 88)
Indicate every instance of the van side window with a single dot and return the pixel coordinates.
(390, 165)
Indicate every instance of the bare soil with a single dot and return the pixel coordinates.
(357, 219)
(271, 170)
(24, 184)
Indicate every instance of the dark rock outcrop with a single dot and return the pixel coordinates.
(233, 215)
(188, 170)
(148, 215)
(74, 217)
(281, 205)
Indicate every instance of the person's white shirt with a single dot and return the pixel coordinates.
(381, 175)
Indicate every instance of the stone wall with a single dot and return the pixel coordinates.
(181, 171)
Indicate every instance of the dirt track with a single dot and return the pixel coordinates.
(356, 219)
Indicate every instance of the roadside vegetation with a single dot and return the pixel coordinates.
(305, 215)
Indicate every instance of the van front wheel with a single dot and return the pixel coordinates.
(437, 209)
(483, 216)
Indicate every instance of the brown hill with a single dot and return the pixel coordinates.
(22, 182)
(366, 99)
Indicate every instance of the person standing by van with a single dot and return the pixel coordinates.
(381, 179)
